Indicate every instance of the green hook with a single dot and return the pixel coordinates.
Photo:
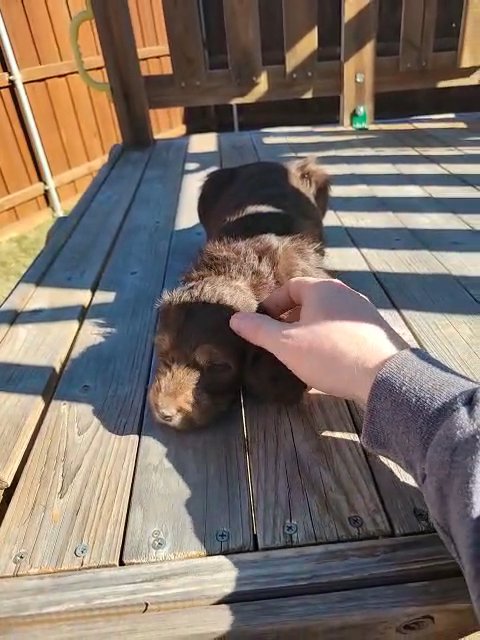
(77, 21)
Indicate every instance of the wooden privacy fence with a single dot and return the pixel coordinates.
(77, 126)
(356, 74)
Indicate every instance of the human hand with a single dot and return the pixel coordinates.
(329, 335)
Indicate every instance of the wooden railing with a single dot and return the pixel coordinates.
(355, 77)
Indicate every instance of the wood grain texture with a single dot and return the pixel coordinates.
(311, 482)
(430, 12)
(185, 40)
(190, 490)
(449, 238)
(218, 87)
(67, 487)
(401, 499)
(434, 609)
(309, 457)
(34, 349)
(300, 37)
(435, 306)
(469, 44)
(238, 577)
(359, 31)
(115, 32)
(242, 30)
(59, 234)
(411, 35)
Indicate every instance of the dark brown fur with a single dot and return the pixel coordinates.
(201, 362)
(265, 197)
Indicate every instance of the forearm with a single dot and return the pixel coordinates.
(427, 418)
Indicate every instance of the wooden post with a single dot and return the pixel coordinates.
(301, 38)
(115, 32)
(242, 28)
(469, 45)
(417, 34)
(184, 31)
(359, 37)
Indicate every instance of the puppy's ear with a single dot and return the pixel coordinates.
(268, 380)
(315, 180)
(213, 188)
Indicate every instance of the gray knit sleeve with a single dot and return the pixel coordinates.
(426, 418)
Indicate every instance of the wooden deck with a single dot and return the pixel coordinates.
(90, 483)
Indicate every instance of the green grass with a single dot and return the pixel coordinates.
(16, 255)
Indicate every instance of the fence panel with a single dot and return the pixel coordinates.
(77, 125)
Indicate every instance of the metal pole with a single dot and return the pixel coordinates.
(29, 120)
(235, 118)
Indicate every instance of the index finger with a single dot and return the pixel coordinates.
(287, 297)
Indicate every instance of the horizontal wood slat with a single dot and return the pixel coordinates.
(433, 609)
(57, 69)
(24, 195)
(238, 577)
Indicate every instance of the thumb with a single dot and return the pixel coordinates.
(259, 329)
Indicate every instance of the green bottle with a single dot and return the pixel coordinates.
(359, 117)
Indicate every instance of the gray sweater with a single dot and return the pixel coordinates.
(426, 418)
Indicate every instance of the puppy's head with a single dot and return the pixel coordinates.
(308, 176)
(199, 358)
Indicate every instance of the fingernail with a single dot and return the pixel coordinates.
(236, 321)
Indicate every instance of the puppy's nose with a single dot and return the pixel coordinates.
(167, 414)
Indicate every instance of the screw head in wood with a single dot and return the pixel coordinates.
(359, 78)
(355, 521)
(290, 528)
(309, 74)
(222, 535)
(158, 543)
(294, 76)
(19, 557)
(182, 84)
(81, 550)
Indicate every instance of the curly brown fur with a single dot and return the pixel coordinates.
(201, 362)
(265, 197)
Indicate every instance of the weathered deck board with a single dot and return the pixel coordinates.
(245, 576)
(317, 499)
(75, 487)
(401, 499)
(34, 349)
(443, 606)
(437, 309)
(191, 488)
(453, 243)
(61, 231)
